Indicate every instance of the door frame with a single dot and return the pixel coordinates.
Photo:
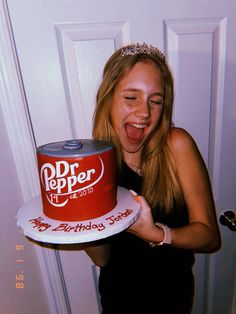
(14, 108)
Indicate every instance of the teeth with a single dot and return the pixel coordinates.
(139, 126)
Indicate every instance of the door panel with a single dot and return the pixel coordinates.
(61, 56)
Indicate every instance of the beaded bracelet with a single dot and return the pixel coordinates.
(167, 235)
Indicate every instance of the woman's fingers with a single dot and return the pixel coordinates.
(140, 199)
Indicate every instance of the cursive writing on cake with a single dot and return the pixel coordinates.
(41, 225)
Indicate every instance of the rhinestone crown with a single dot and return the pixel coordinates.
(136, 49)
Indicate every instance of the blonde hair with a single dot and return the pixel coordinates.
(160, 184)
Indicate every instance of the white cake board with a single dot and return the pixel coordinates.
(37, 226)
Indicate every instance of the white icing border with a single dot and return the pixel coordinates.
(36, 225)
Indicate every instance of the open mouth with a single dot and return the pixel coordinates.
(135, 131)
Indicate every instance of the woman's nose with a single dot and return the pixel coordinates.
(143, 109)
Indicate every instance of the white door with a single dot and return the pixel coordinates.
(61, 49)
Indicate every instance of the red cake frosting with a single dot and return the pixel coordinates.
(77, 179)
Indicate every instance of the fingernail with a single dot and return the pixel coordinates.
(133, 192)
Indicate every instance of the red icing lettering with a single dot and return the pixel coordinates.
(112, 219)
(41, 226)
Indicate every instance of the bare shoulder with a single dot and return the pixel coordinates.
(184, 147)
(180, 139)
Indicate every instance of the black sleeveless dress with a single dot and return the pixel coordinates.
(142, 279)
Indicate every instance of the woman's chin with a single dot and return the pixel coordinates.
(131, 147)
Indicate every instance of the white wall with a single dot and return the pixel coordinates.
(17, 254)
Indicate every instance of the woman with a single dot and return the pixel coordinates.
(148, 268)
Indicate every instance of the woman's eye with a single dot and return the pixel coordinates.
(130, 97)
(156, 102)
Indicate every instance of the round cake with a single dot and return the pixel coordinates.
(77, 179)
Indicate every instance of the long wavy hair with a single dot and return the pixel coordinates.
(160, 185)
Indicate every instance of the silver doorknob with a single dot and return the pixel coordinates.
(228, 218)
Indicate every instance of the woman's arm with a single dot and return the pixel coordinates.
(98, 251)
(202, 233)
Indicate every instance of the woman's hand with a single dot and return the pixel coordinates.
(144, 227)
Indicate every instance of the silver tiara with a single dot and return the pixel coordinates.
(136, 49)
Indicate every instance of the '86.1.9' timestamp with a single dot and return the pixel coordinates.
(19, 276)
